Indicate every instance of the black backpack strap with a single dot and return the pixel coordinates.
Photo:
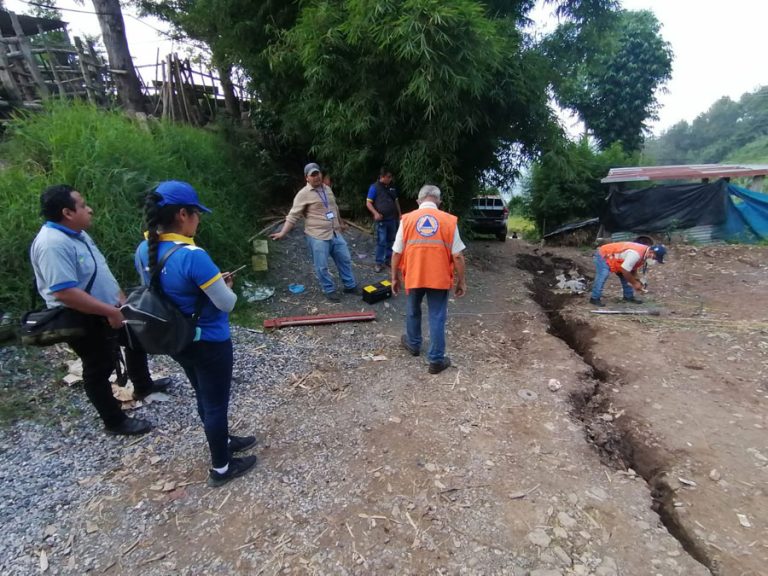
(155, 278)
(154, 281)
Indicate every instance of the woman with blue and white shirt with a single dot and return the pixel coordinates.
(192, 281)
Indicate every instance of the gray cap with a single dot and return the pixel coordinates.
(311, 167)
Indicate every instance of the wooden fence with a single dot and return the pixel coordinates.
(38, 61)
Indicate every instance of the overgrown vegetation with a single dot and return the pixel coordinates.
(453, 92)
(609, 70)
(728, 131)
(565, 184)
(113, 161)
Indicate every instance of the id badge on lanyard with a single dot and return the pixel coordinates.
(329, 215)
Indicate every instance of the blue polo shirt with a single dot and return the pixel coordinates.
(62, 258)
(185, 275)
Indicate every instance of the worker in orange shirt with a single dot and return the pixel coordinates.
(426, 253)
(625, 260)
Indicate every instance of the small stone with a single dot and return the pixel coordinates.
(744, 521)
(565, 520)
(546, 572)
(714, 475)
(430, 467)
(597, 493)
(560, 532)
(554, 385)
(539, 538)
(562, 555)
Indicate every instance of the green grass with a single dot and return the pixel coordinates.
(113, 161)
(524, 227)
(755, 152)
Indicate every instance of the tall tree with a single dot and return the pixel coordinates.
(110, 17)
(609, 71)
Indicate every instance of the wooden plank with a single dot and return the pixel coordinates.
(26, 49)
(81, 59)
(275, 323)
(6, 77)
(52, 62)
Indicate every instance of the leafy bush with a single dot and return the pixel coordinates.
(113, 161)
(564, 185)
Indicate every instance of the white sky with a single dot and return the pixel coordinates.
(719, 47)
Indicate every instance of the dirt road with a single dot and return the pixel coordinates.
(560, 443)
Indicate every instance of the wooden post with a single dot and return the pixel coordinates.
(183, 106)
(164, 93)
(171, 95)
(26, 50)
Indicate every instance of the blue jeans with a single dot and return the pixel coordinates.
(208, 365)
(437, 303)
(602, 272)
(336, 248)
(385, 237)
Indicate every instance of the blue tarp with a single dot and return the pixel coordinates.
(746, 215)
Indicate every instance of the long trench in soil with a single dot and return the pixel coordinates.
(617, 442)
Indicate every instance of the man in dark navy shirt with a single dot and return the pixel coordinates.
(383, 205)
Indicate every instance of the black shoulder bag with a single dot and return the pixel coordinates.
(153, 321)
(48, 326)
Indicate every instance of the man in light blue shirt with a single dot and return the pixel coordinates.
(71, 271)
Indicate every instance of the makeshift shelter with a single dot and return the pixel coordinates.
(701, 212)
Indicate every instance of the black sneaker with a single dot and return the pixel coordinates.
(437, 367)
(159, 385)
(130, 427)
(596, 302)
(412, 350)
(240, 443)
(633, 300)
(353, 290)
(237, 467)
(332, 296)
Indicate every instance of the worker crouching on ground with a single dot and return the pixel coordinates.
(625, 260)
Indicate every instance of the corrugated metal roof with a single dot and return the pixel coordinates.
(29, 24)
(686, 172)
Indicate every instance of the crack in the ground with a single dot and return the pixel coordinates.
(618, 444)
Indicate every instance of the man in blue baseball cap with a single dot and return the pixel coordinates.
(625, 259)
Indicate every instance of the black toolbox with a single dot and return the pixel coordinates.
(377, 292)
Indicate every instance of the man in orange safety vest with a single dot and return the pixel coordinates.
(625, 260)
(426, 254)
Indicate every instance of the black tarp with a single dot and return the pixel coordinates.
(660, 208)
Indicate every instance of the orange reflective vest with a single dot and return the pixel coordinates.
(426, 261)
(611, 253)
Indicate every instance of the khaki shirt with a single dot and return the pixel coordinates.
(309, 203)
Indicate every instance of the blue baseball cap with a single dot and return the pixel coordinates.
(178, 193)
(310, 168)
(660, 251)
